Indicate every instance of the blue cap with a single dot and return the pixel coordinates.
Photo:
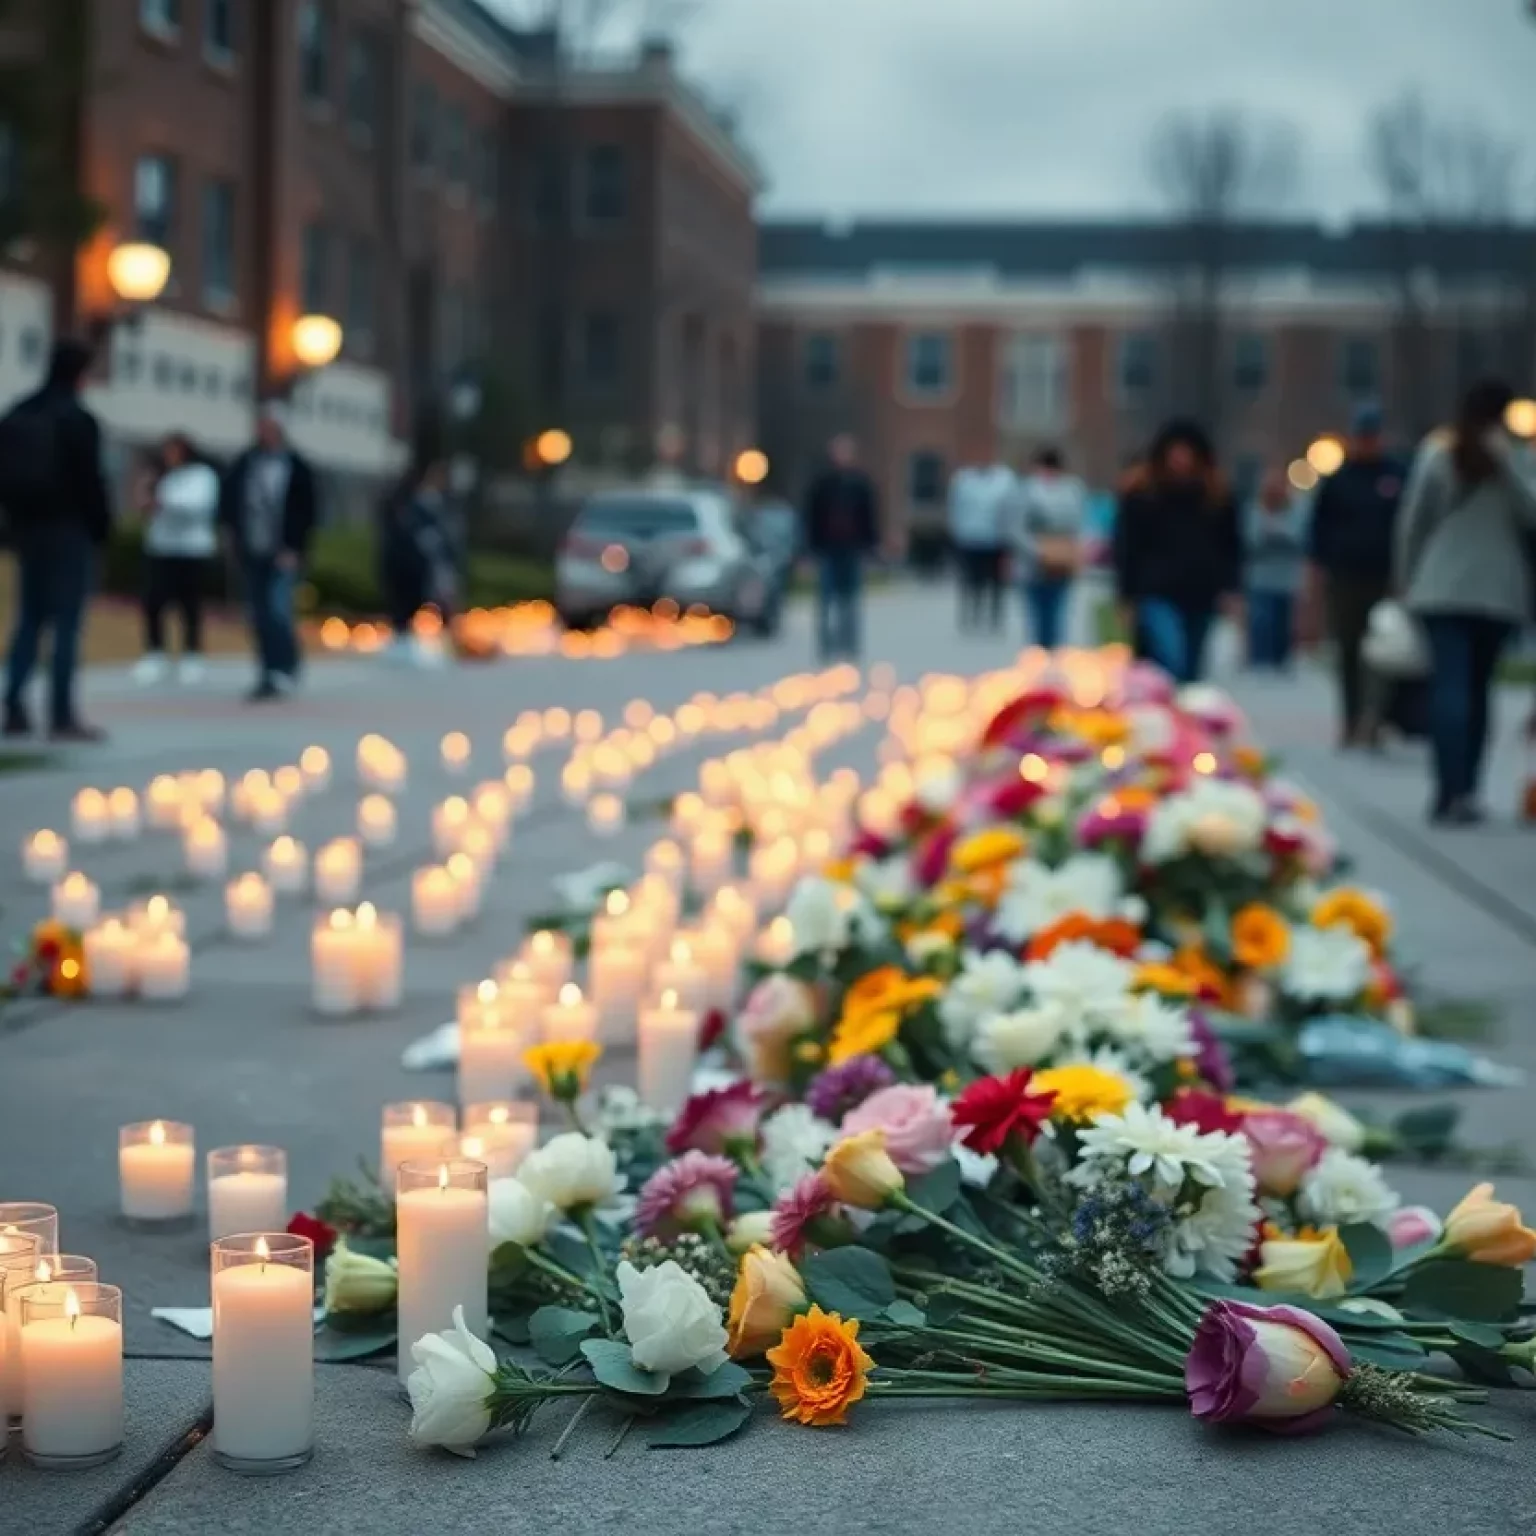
(1367, 420)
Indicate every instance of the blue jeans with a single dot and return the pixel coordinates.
(1045, 610)
(269, 594)
(837, 605)
(1270, 618)
(1464, 654)
(54, 568)
(1174, 636)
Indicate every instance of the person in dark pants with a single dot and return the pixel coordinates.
(1463, 564)
(1178, 555)
(1275, 540)
(978, 498)
(269, 506)
(842, 529)
(1044, 526)
(1350, 568)
(55, 500)
(417, 549)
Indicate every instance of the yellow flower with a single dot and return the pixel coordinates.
(1261, 938)
(1082, 1091)
(839, 870)
(1333, 1120)
(808, 1051)
(865, 1035)
(987, 849)
(872, 1011)
(562, 1067)
(768, 1295)
(1165, 980)
(1350, 908)
(359, 1285)
(1309, 1264)
(1489, 1231)
(819, 1370)
(859, 1171)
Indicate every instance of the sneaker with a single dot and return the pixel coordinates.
(263, 692)
(190, 669)
(77, 731)
(151, 669)
(286, 683)
(17, 721)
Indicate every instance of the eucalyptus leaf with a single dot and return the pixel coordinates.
(904, 1315)
(334, 1347)
(556, 1333)
(1370, 1254)
(850, 1281)
(611, 1364)
(1485, 1335)
(703, 1424)
(939, 1190)
(728, 1380)
(1480, 1293)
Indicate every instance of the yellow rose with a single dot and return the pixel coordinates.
(1316, 1266)
(1333, 1120)
(987, 849)
(562, 1067)
(767, 1298)
(1489, 1231)
(357, 1284)
(859, 1171)
(748, 1230)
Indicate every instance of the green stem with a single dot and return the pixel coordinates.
(1047, 1353)
(589, 1230)
(567, 1277)
(1001, 1256)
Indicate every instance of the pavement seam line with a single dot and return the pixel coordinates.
(107, 1515)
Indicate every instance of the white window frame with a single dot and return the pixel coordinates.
(920, 394)
(1035, 396)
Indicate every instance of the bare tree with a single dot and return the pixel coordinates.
(1219, 172)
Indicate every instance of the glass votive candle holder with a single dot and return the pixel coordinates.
(31, 1218)
(505, 1122)
(55, 1269)
(70, 1345)
(155, 1164)
(497, 1153)
(263, 1351)
(412, 1132)
(18, 1262)
(440, 1241)
(247, 1190)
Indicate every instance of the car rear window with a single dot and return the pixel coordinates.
(637, 519)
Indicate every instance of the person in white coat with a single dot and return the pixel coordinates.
(180, 543)
(978, 496)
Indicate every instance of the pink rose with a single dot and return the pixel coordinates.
(915, 1122)
(1412, 1225)
(1284, 1148)
(776, 1010)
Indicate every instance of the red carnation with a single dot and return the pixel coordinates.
(996, 1108)
(320, 1233)
(1205, 1111)
(711, 1028)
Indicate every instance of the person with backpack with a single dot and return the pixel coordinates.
(55, 502)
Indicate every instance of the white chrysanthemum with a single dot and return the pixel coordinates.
(1218, 819)
(986, 983)
(885, 882)
(1326, 965)
(818, 915)
(1079, 976)
(794, 1142)
(1342, 1189)
(1146, 1027)
(925, 948)
(1038, 896)
(1022, 1037)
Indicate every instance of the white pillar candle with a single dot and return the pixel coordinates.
(440, 1239)
(569, 1017)
(605, 814)
(205, 849)
(449, 819)
(549, 957)
(434, 901)
(455, 751)
(492, 804)
(242, 800)
(381, 958)
(207, 788)
(290, 783)
(157, 915)
(468, 885)
(710, 859)
(315, 765)
(162, 967)
(76, 901)
(339, 871)
(286, 862)
(90, 818)
(263, 1351)
(155, 1164)
(669, 1051)
(376, 821)
(247, 1190)
(714, 947)
(522, 994)
(608, 925)
(109, 950)
(575, 782)
(248, 906)
(412, 1132)
(681, 973)
(735, 908)
(269, 811)
(499, 1153)
(18, 1259)
(479, 843)
(123, 812)
(491, 1046)
(163, 800)
(665, 858)
(510, 1125)
(44, 857)
(71, 1348)
(520, 781)
(335, 989)
(617, 973)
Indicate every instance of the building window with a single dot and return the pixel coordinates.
(219, 30)
(1359, 367)
(362, 86)
(360, 296)
(601, 348)
(490, 173)
(455, 134)
(1034, 384)
(925, 478)
(823, 362)
(1137, 373)
(219, 244)
(315, 274)
(929, 363)
(162, 17)
(424, 126)
(1250, 363)
(154, 199)
(604, 199)
(317, 28)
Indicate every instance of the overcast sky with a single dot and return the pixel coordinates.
(1038, 106)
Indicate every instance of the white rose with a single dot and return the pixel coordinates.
(669, 1320)
(1023, 1038)
(516, 1214)
(451, 1388)
(572, 1170)
(817, 916)
(1342, 1189)
(1334, 1121)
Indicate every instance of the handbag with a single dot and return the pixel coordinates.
(1394, 644)
(1057, 554)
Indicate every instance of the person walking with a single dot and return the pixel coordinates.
(1275, 541)
(181, 538)
(978, 497)
(1178, 555)
(269, 505)
(1349, 567)
(417, 547)
(1043, 525)
(842, 529)
(55, 500)
(1463, 562)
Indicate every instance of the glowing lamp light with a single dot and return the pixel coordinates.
(1520, 417)
(138, 271)
(316, 340)
(553, 446)
(1326, 455)
(752, 466)
(1302, 475)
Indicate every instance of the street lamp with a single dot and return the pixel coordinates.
(552, 447)
(751, 466)
(138, 272)
(316, 341)
(1326, 455)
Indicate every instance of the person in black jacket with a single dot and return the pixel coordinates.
(842, 528)
(1178, 551)
(268, 504)
(56, 504)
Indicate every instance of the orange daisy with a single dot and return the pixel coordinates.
(1261, 938)
(819, 1370)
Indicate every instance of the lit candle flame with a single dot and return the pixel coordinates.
(570, 995)
(669, 999)
(442, 1176)
(263, 1252)
(472, 1146)
(157, 1133)
(617, 903)
(158, 908)
(542, 942)
(499, 1115)
(341, 918)
(418, 1115)
(71, 1306)
(44, 1271)
(367, 915)
(487, 991)
(682, 952)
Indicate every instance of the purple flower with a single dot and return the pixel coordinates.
(833, 1093)
(1211, 1058)
(1277, 1367)
(692, 1193)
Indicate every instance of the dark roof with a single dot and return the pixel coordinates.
(1052, 248)
(489, 27)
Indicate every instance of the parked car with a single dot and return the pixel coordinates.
(687, 543)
